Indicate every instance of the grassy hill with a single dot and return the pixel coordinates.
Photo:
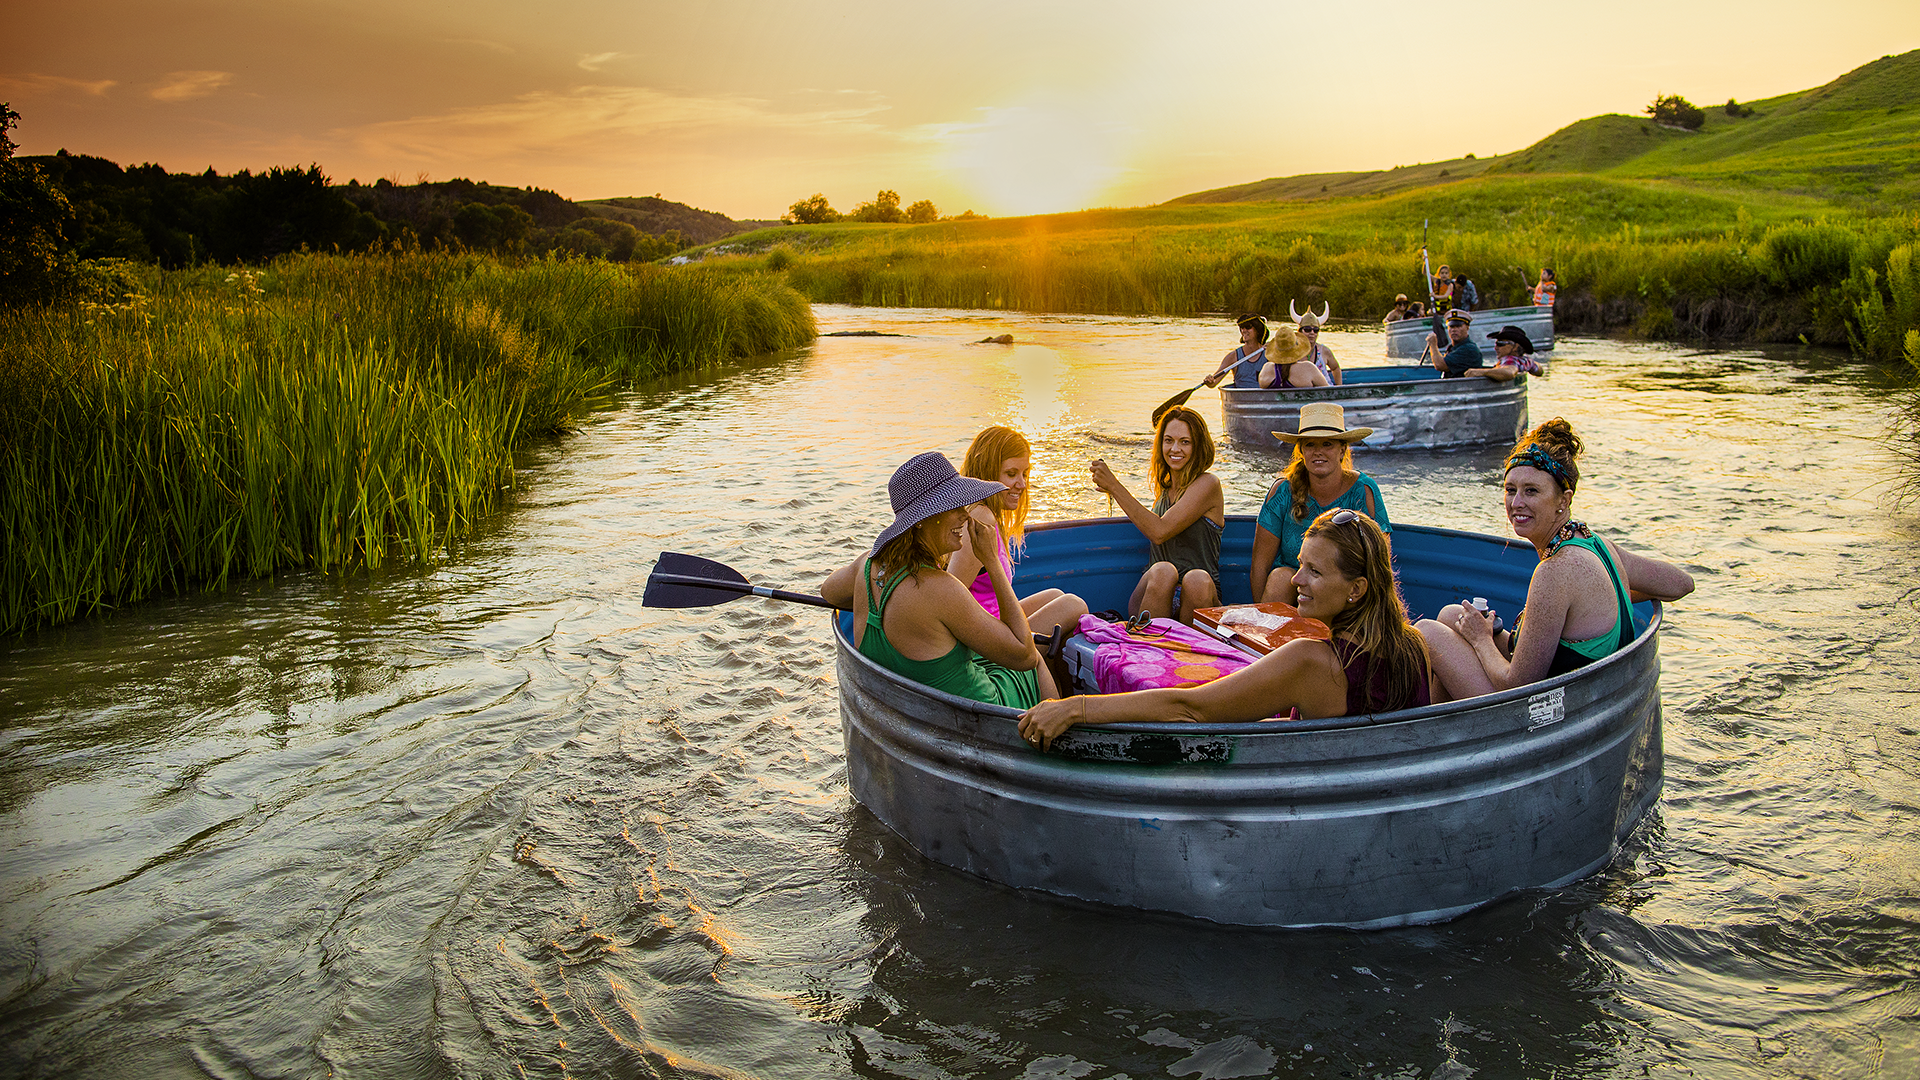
(1855, 140)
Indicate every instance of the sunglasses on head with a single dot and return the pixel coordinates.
(1344, 517)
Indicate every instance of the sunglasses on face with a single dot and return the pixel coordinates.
(1309, 329)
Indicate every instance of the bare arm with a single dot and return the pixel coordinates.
(1005, 640)
(965, 564)
(1651, 579)
(1202, 498)
(1549, 598)
(1266, 548)
(1333, 367)
(1496, 373)
(1227, 363)
(1302, 674)
(838, 589)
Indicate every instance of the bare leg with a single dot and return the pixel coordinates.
(1461, 675)
(1154, 594)
(1280, 587)
(1045, 610)
(1196, 592)
(1054, 607)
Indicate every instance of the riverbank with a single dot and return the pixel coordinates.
(1641, 258)
(326, 411)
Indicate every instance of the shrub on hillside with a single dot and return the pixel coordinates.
(1676, 110)
(923, 212)
(812, 210)
(884, 208)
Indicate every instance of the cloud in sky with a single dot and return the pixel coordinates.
(1002, 106)
(187, 85)
(36, 85)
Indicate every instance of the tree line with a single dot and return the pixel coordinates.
(59, 210)
(884, 208)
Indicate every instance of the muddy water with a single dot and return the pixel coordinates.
(497, 819)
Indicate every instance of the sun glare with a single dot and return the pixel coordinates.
(1034, 160)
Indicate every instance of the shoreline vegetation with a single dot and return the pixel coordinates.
(1633, 258)
(334, 412)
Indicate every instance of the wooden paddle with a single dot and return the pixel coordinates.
(688, 581)
(1180, 398)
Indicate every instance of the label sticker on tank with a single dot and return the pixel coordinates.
(1547, 708)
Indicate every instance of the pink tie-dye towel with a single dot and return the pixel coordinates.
(1165, 654)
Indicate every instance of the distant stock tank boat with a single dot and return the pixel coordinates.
(1406, 338)
(1362, 821)
(1409, 407)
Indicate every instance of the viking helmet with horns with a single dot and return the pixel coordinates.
(1308, 318)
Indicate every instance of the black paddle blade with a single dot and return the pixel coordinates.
(664, 594)
(1173, 402)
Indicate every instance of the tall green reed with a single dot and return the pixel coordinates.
(329, 412)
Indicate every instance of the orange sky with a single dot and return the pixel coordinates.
(743, 106)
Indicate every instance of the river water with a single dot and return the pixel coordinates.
(497, 819)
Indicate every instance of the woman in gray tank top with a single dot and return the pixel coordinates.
(1183, 525)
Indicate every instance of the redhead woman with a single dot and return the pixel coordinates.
(1002, 455)
(1579, 599)
(1321, 477)
(1184, 524)
(1375, 662)
(913, 618)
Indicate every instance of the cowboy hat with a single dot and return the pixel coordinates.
(1514, 336)
(925, 485)
(1286, 346)
(1324, 420)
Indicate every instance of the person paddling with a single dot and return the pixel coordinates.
(1243, 362)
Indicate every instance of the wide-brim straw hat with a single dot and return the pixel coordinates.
(1286, 346)
(925, 485)
(1324, 420)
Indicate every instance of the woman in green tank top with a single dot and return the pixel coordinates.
(912, 617)
(1579, 601)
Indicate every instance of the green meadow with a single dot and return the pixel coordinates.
(323, 411)
(1795, 220)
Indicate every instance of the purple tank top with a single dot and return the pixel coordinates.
(1367, 681)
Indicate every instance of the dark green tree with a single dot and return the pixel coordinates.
(812, 210)
(885, 207)
(1676, 110)
(36, 257)
(922, 212)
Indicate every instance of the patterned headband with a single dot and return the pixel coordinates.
(1534, 456)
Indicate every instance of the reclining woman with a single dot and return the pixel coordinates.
(1579, 601)
(1004, 456)
(1375, 663)
(913, 618)
(1321, 477)
(1184, 524)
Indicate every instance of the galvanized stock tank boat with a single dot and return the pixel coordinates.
(1362, 821)
(1409, 407)
(1407, 338)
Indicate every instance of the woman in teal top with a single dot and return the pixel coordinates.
(1579, 599)
(1320, 478)
(912, 617)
